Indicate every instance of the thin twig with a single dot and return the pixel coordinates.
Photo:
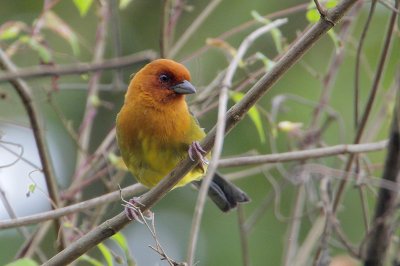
(306, 249)
(244, 243)
(368, 106)
(92, 164)
(270, 198)
(85, 129)
(358, 62)
(294, 228)
(381, 116)
(116, 32)
(304, 154)
(78, 207)
(164, 40)
(337, 58)
(31, 246)
(92, 98)
(159, 249)
(234, 115)
(281, 13)
(171, 12)
(321, 9)
(389, 5)
(193, 28)
(302, 172)
(11, 213)
(343, 239)
(19, 156)
(79, 68)
(322, 256)
(220, 132)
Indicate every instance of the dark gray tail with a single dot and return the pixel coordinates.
(224, 194)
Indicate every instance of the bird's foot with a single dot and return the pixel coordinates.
(133, 211)
(196, 152)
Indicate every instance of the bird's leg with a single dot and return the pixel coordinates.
(133, 212)
(196, 152)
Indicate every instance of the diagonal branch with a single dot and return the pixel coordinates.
(233, 117)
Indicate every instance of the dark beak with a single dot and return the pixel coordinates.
(184, 87)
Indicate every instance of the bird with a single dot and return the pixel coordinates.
(155, 130)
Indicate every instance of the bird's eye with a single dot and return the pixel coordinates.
(164, 78)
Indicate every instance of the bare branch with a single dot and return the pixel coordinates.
(244, 243)
(78, 207)
(304, 154)
(79, 68)
(19, 156)
(294, 226)
(192, 28)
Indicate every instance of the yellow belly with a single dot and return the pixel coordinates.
(152, 162)
(150, 178)
(152, 146)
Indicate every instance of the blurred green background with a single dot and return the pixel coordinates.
(139, 24)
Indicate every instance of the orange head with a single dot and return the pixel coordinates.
(160, 81)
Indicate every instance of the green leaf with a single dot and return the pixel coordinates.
(42, 50)
(9, 33)
(313, 15)
(84, 76)
(95, 100)
(268, 63)
(275, 33)
(335, 39)
(90, 260)
(23, 262)
(258, 17)
(124, 3)
(10, 30)
(106, 253)
(331, 3)
(277, 37)
(253, 114)
(120, 239)
(61, 28)
(32, 188)
(83, 6)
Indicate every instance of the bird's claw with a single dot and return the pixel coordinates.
(133, 212)
(196, 152)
